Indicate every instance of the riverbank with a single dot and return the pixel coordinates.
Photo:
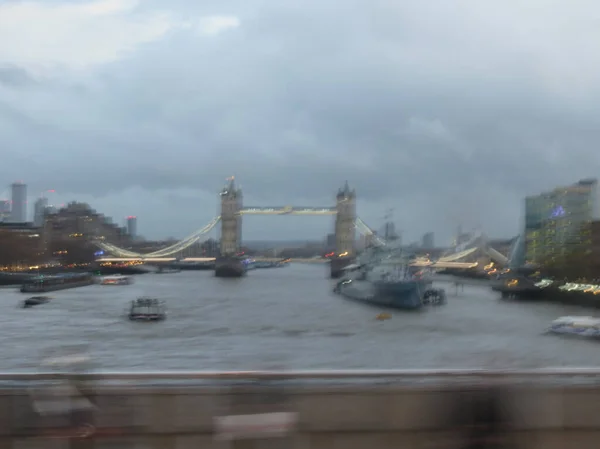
(18, 278)
(524, 289)
(568, 294)
(574, 298)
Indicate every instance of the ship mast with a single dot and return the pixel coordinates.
(389, 225)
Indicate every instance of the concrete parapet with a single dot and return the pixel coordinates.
(348, 416)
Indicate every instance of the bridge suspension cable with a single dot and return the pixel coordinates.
(462, 252)
(457, 256)
(175, 248)
(497, 255)
(197, 235)
(467, 245)
(365, 230)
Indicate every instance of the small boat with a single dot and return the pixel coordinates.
(35, 301)
(584, 326)
(147, 309)
(116, 280)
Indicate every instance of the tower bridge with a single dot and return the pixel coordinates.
(346, 224)
(232, 211)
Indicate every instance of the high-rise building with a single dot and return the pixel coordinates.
(39, 211)
(427, 241)
(132, 226)
(18, 213)
(4, 210)
(557, 222)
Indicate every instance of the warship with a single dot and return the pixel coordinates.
(387, 280)
(384, 276)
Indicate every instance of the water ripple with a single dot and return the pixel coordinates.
(284, 318)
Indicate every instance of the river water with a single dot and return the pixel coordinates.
(282, 319)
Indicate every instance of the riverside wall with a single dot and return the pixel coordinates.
(331, 414)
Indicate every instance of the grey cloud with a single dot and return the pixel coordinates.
(15, 77)
(418, 114)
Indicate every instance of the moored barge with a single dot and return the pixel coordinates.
(43, 284)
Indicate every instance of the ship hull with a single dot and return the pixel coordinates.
(199, 266)
(398, 295)
(262, 265)
(229, 267)
(51, 284)
(15, 278)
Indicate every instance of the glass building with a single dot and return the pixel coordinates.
(18, 213)
(558, 222)
(132, 226)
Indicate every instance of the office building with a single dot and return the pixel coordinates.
(39, 211)
(4, 210)
(80, 221)
(132, 226)
(18, 213)
(427, 241)
(558, 222)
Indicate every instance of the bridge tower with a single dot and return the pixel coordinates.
(231, 218)
(345, 234)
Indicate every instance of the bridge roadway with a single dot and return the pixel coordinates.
(288, 210)
(543, 409)
(205, 259)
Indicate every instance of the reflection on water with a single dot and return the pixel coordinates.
(284, 316)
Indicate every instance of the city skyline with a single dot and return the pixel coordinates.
(251, 222)
(450, 115)
(129, 222)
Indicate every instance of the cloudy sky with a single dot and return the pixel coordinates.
(447, 112)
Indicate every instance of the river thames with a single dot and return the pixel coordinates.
(284, 318)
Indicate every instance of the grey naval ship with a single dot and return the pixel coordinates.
(386, 278)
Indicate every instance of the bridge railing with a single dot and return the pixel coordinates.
(309, 409)
(400, 374)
